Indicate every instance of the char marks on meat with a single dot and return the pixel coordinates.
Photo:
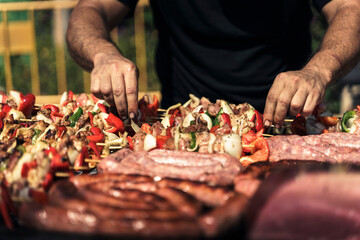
(117, 205)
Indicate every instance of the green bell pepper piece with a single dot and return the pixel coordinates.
(192, 140)
(347, 116)
(73, 119)
(36, 135)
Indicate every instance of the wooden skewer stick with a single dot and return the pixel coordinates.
(27, 120)
(161, 110)
(267, 135)
(62, 174)
(103, 156)
(78, 168)
(100, 144)
(115, 147)
(92, 160)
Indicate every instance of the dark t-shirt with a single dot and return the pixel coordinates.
(225, 49)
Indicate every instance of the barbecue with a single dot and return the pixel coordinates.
(195, 170)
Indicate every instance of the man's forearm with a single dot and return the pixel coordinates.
(88, 36)
(340, 48)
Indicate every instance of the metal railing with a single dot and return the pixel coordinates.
(19, 37)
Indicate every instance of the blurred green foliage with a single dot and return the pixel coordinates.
(126, 43)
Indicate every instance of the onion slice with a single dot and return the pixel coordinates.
(149, 142)
(232, 144)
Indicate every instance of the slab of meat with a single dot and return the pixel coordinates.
(135, 206)
(307, 205)
(330, 147)
(214, 169)
(67, 220)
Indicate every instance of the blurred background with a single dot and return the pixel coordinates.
(34, 57)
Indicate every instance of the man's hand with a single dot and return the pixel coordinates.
(114, 79)
(294, 92)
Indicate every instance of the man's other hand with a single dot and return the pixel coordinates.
(294, 92)
(114, 79)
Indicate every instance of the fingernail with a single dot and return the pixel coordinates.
(267, 123)
(277, 126)
(132, 115)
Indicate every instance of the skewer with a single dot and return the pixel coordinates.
(27, 120)
(103, 156)
(92, 160)
(161, 110)
(115, 147)
(62, 174)
(79, 168)
(267, 135)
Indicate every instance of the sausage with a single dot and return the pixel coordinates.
(82, 180)
(222, 218)
(210, 196)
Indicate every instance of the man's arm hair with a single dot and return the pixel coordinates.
(340, 49)
(88, 30)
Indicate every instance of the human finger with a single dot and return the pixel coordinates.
(282, 106)
(95, 85)
(106, 90)
(298, 102)
(118, 86)
(311, 102)
(271, 101)
(131, 89)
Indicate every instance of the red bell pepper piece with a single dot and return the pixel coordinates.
(47, 181)
(26, 167)
(91, 116)
(226, 118)
(26, 104)
(61, 130)
(214, 128)
(175, 114)
(247, 139)
(329, 121)
(52, 108)
(160, 141)
(96, 138)
(145, 128)
(70, 95)
(116, 124)
(258, 121)
(95, 130)
(259, 152)
(56, 161)
(153, 107)
(5, 108)
(38, 196)
(80, 159)
(130, 142)
(102, 108)
(93, 146)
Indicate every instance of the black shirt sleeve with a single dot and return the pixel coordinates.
(131, 4)
(319, 4)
